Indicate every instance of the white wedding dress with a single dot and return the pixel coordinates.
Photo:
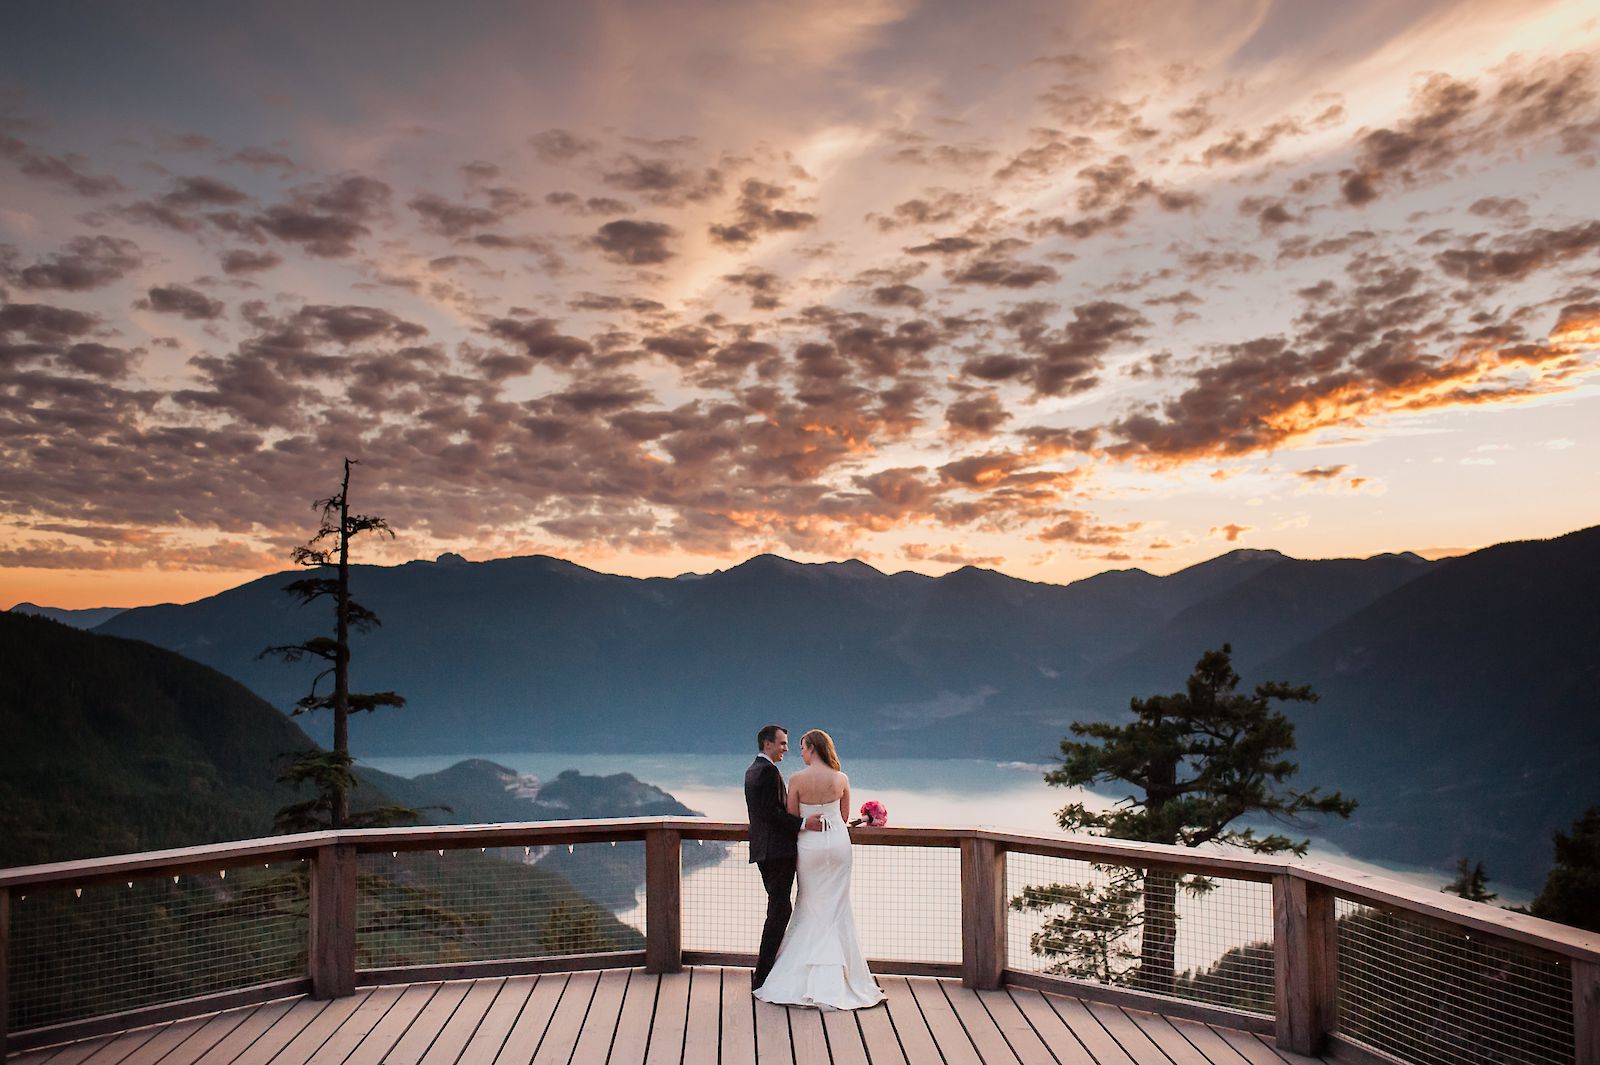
(820, 962)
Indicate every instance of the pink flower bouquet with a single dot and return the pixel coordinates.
(873, 814)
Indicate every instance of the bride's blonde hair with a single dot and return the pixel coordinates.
(822, 743)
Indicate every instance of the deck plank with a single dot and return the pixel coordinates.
(773, 1043)
(1089, 1031)
(810, 1042)
(1051, 1028)
(167, 1037)
(981, 1028)
(282, 1032)
(1129, 1036)
(463, 1023)
(566, 1024)
(943, 1024)
(241, 1036)
(121, 1045)
(528, 1031)
(1209, 1042)
(1248, 1046)
(71, 1054)
(491, 1035)
(1168, 1038)
(375, 1046)
(878, 1035)
(738, 1019)
(1025, 1042)
(1288, 1055)
(704, 1015)
(845, 1044)
(429, 1023)
(666, 1031)
(355, 1028)
(600, 1026)
(309, 1039)
(633, 1025)
(916, 1041)
(211, 1031)
(704, 1023)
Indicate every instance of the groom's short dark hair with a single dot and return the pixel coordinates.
(767, 734)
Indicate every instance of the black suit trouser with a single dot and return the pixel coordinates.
(777, 875)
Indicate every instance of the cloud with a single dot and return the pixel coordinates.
(945, 246)
(1451, 118)
(65, 171)
(1004, 273)
(664, 182)
(180, 300)
(949, 555)
(263, 159)
(1519, 255)
(635, 243)
(572, 203)
(758, 213)
(539, 341)
(1230, 532)
(979, 415)
(561, 146)
(1357, 363)
(327, 218)
(241, 261)
(1078, 527)
(934, 207)
(898, 296)
(765, 287)
(86, 263)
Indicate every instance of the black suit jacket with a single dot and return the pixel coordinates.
(773, 829)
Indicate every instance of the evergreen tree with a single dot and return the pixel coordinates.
(1200, 759)
(1471, 883)
(331, 772)
(1571, 892)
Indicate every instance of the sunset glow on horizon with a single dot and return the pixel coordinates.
(1050, 289)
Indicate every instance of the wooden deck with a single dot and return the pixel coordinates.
(703, 1016)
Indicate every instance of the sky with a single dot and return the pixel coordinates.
(1046, 288)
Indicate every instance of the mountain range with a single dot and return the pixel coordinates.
(113, 746)
(1458, 696)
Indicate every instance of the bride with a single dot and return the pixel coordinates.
(820, 962)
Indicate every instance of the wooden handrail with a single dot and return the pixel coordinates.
(1304, 941)
(1363, 887)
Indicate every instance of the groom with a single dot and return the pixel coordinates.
(774, 832)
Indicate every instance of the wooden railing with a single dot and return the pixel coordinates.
(1305, 926)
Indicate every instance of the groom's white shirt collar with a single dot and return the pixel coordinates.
(763, 754)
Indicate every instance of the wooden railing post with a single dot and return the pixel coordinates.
(1305, 963)
(1586, 1011)
(331, 954)
(663, 901)
(5, 963)
(983, 913)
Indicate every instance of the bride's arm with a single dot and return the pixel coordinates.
(792, 802)
(844, 800)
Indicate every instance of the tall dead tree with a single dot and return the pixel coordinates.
(331, 771)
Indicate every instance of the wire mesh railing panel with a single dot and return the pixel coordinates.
(467, 905)
(723, 902)
(1201, 938)
(1432, 993)
(906, 902)
(76, 953)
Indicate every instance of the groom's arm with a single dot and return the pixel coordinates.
(769, 803)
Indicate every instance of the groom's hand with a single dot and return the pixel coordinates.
(814, 823)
